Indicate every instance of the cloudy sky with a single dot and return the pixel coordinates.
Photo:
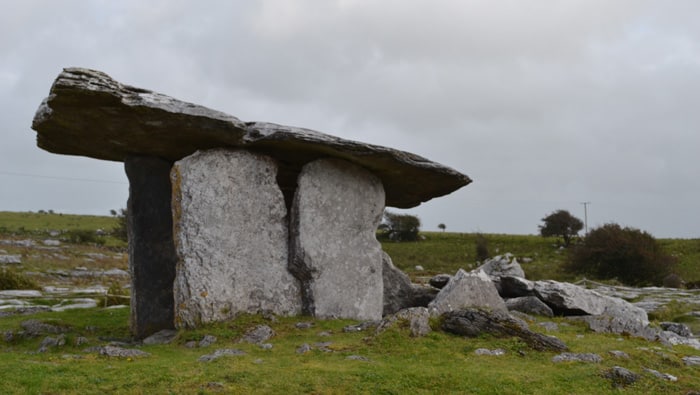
(544, 104)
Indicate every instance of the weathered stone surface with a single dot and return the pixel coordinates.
(620, 377)
(119, 352)
(334, 250)
(474, 322)
(152, 257)
(6, 259)
(222, 352)
(529, 305)
(514, 287)
(503, 265)
(87, 113)
(230, 227)
(474, 289)
(164, 336)
(418, 319)
(570, 299)
(677, 328)
(258, 335)
(399, 292)
(440, 280)
(577, 357)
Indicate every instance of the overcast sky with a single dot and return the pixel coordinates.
(544, 104)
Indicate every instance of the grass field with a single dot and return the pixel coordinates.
(396, 363)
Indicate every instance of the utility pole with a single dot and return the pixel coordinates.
(585, 214)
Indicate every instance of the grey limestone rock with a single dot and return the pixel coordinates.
(440, 280)
(120, 352)
(485, 351)
(529, 305)
(164, 336)
(570, 299)
(152, 257)
(621, 377)
(677, 328)
(692, 360)
(399, 292)
(7, 259)
(222, 352)
(474, 322)
(258, 334)
(503, 265)
(577, 357)
(418, 319)
(230, 230)
(473, 289)
(36, 328)
(88, 113)
(334, 251)
(662, 376)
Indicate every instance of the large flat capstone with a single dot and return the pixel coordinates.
(88, 113)
(334, 250)
(230, 230)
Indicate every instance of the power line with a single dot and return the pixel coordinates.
(5, 173)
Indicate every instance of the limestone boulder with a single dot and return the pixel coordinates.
(334, 251)
(467, 290)
(503, 265)
(88, 113)
(399, 292)
(529, 305)
(230, 231)
(570, 299)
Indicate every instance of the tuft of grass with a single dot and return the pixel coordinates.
(10, 279)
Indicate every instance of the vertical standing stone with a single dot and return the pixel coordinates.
(334, 251)
(230, 227)
(151, 250)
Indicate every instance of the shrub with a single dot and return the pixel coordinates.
(629, 255)
(10, 279)
(399, 227)
(83, 236)
(561, 223)
(482, 248)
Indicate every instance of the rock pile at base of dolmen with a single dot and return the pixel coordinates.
(227, 216)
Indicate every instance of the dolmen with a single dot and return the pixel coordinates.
(229, 217)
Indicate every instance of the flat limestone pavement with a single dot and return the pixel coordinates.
(230, 227)
(335, 253)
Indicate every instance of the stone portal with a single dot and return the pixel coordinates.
(230, 229)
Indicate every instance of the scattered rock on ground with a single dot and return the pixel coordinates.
(10, 259)
(440, 280)
(418, 319)
(119, 352)
(357, 358)
(692, 361)
(303, 325)
(259, 334)
(36, 328)
(577, 357)
(549, 326)
(529, 305)
(663, 376)
(467, 290)
(485, 351)
(164, 336)
(207, 341)
(362, 326)
(399, 292)
(222, 352)
(474, 322)
(677, 328)
(502, 265)
(619, 354)
(303, 349)
(620, 376)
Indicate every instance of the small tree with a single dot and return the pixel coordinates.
(626, 254)
(400, 227)
(561, 223)
(442, 227)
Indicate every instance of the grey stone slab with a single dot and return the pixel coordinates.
(151, 250)
(230, 226)
(334, 250)
(473, 289)
(88, 113)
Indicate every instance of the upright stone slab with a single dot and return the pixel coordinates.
(334, 251)
(152, 255)
(230, 227)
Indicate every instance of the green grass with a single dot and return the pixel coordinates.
(399, 364)
(446, 252)
(36, 222)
